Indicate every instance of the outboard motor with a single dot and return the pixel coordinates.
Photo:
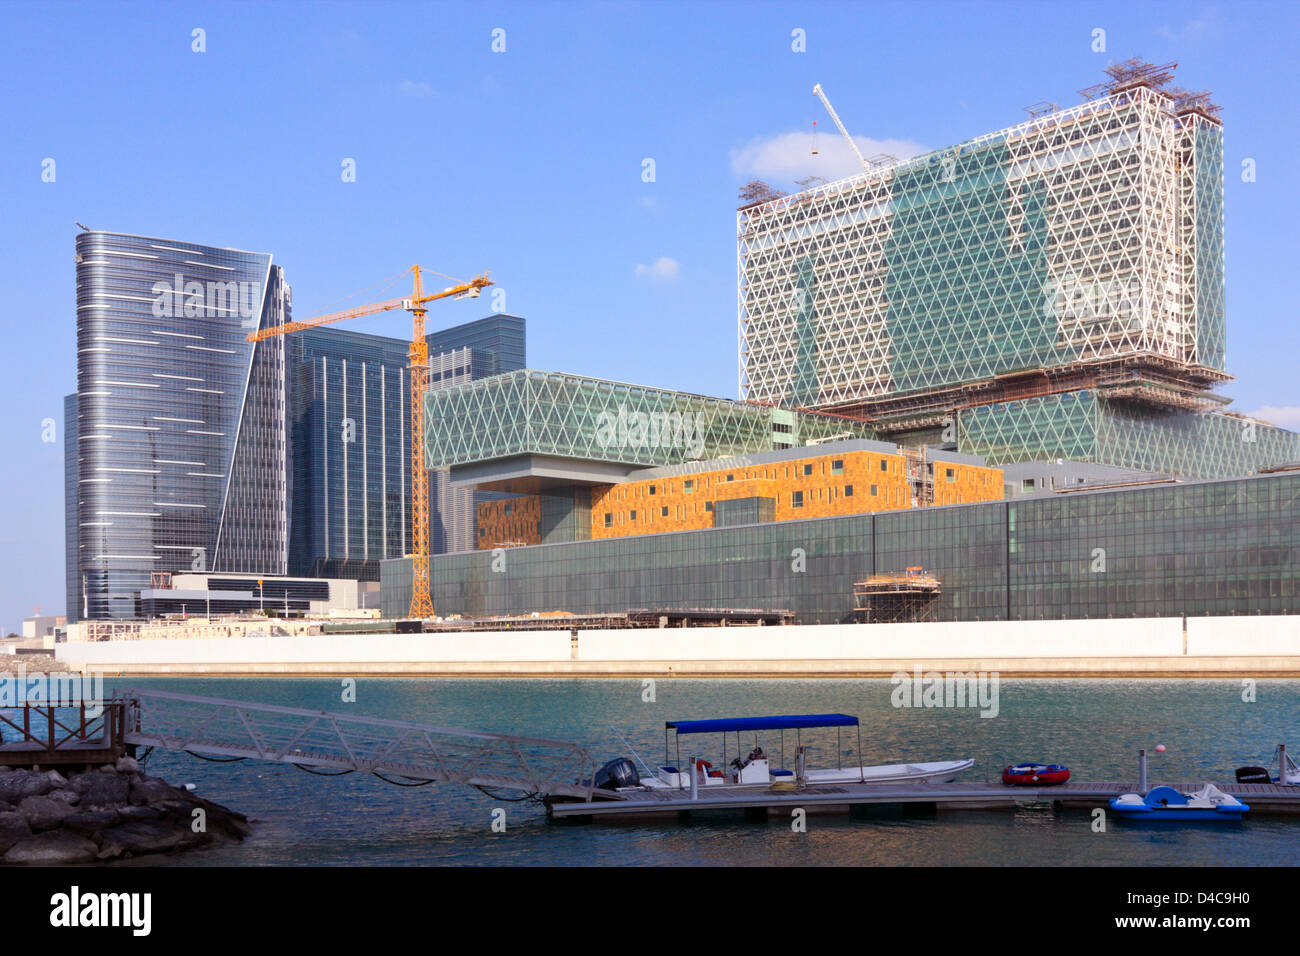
(619, 772)
(1253, 775)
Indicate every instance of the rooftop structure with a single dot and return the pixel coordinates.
(528, 430)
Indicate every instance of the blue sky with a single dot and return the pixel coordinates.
(529, 162)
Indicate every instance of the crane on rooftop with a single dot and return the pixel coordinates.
(421, 602)
(821, 95)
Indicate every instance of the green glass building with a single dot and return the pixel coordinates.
(1196, 548)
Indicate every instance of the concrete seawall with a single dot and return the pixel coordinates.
(1249, 646)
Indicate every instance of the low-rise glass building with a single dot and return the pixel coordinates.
(1197, 548)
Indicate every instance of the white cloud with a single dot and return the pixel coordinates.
(787, 157)
(660, 270)
(1288, 416)
(1208, 24)
(411, 88)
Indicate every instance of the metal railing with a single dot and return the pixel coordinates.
(208, 726)
(50, 731)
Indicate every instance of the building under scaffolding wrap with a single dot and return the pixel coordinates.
(1057, 283)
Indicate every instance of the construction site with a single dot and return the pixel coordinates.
(975, 294)
(919, 344)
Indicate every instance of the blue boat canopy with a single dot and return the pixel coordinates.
(787, 722)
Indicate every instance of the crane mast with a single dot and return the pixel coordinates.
(821, 95)
(418, 354)
(421, 600)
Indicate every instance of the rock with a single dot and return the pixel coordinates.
(127, 765)
(51, 849)
(139, 837)
(42, 813)
(101, 789)
(13, 827)
(70, 797)
(92, 821)
(145, 790)
(138, 813)
(57, 780)
(23, 783)
(107, 768)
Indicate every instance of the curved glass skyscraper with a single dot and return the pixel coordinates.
(180, 421)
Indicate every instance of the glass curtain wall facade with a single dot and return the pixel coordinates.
(351, 466)
(71, 570)
(1203, 548)
(180, 421)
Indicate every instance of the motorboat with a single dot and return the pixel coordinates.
(1288, 772)
(758, 768)
(1168, 803)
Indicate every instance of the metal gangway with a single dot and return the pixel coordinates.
(333, 743)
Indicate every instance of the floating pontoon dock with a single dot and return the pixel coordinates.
(843, 797)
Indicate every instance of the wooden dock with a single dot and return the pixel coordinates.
(62, 736)
(841, 798)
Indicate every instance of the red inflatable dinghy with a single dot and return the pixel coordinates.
(1035, 774)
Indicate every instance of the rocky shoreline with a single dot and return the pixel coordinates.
(108, 813)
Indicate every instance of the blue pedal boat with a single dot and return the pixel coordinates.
(1167, 803)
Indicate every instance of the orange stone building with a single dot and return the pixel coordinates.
(816, 481)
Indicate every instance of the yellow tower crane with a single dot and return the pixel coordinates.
(421, 602)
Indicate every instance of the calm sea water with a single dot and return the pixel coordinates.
(1094, 726)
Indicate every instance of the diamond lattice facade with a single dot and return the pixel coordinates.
(1086, 426)
(1085, 236)
(592, 420)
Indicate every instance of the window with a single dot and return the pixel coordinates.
(848, 491)
(652, 489)
(609, 520)
(884, 465)
(663, 512)
(482, 532)
(509, 508)
(708, 506)
(731, 477)
(950, 474)
(796, 500)
(633, 518)
(837, 467)
(688, 485)
(1027, 484)
(807, 469)
(873, 490)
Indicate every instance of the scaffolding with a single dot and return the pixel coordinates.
(878, 296)
(896, 598)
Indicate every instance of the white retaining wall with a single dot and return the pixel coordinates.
(1276, 635)
(1135, 637)
(334, 648)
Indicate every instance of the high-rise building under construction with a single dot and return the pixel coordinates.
(1050, 290)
